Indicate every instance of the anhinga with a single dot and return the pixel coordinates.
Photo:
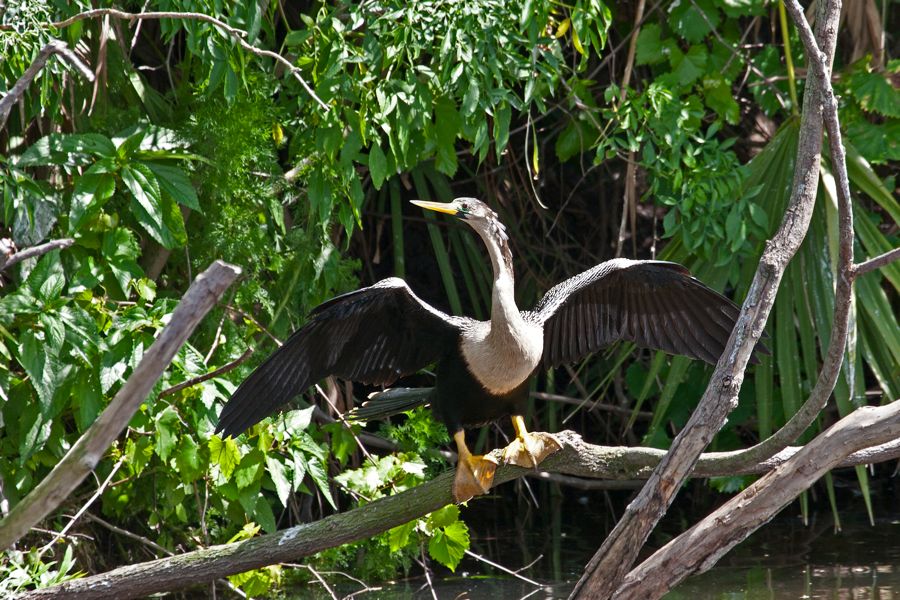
(380, 333)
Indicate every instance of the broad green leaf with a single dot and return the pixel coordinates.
(54, 331)
(86, 392)
(250, 470)
(90, 193)
(319, 474)
(188, 460)
(649, 49)
(148, 206)
(176, 183)
(166, 433)
(278, 473)
(224, 453)
(875, 93)
(398, 537)
(66, 149)
(42, 367)
(449, 545)
(47, 279)
(694, 19)
(444, 516)
(377, 165)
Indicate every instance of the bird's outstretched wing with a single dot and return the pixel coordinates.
(654, 304)
(373, 335)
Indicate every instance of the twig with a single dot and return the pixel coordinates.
(504, 569)
(237, 34)
(84, 507)
(207, 376)
(876, 262)
(606, 570)
(34, 250)
(18, 90)
(129, 534)
(84, 455)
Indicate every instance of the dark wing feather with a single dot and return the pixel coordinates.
(373, 335)
(654, 304)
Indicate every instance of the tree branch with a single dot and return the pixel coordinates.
(876, 262)
(700, 547)
(576, 458)
(84, 455)
(18, 90)
(237, 34)
(613, 560)
(17, 257)
(834, 354)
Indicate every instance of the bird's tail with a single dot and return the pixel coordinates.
(390, 402)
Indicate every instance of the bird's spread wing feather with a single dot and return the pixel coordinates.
(654, 304)
(373, 335)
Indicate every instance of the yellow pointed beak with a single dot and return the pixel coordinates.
(444, 207)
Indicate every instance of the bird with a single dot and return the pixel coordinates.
(483, 369)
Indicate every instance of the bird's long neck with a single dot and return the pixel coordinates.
(504, 312)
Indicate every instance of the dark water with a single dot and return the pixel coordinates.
(785, 559)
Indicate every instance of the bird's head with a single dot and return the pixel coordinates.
(471, 210)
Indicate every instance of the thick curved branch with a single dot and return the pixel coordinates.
(577, 457)
(237, 34)
(84, 455)
(614, 559)
(846, 272)
(700, 547)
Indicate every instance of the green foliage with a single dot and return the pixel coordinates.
(23, 571)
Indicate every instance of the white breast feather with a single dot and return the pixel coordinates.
(501, 361)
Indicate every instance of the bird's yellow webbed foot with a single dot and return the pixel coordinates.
(474, 473)
(529, 449)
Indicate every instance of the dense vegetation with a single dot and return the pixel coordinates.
(188, 147)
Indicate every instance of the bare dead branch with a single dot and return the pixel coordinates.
(18, 90)
(876, 262)
(238, 34)
(84, 455)
(700, 547)
(834, 354)
(34, 250)
(614, 559)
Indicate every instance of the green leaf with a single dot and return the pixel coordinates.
(43, 368)
(114, 363)
(90, 193)
(687, 68)
(66, 149)
(295, 421)
(250, 470)
(153, 212)
(278, 473)
(447, 123)
(166, 433)
(449, 545)
(694, 19)
(187, 459)
(120, 251)
(444, 516)
(717, 95)
(86, 391)
(319, 475)
(176, 183)
(876, 94)
(649, 46)
(377, 165)
(54, 332)
(225, 454)
(398, 537)
(502, 116)
(47, 279)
